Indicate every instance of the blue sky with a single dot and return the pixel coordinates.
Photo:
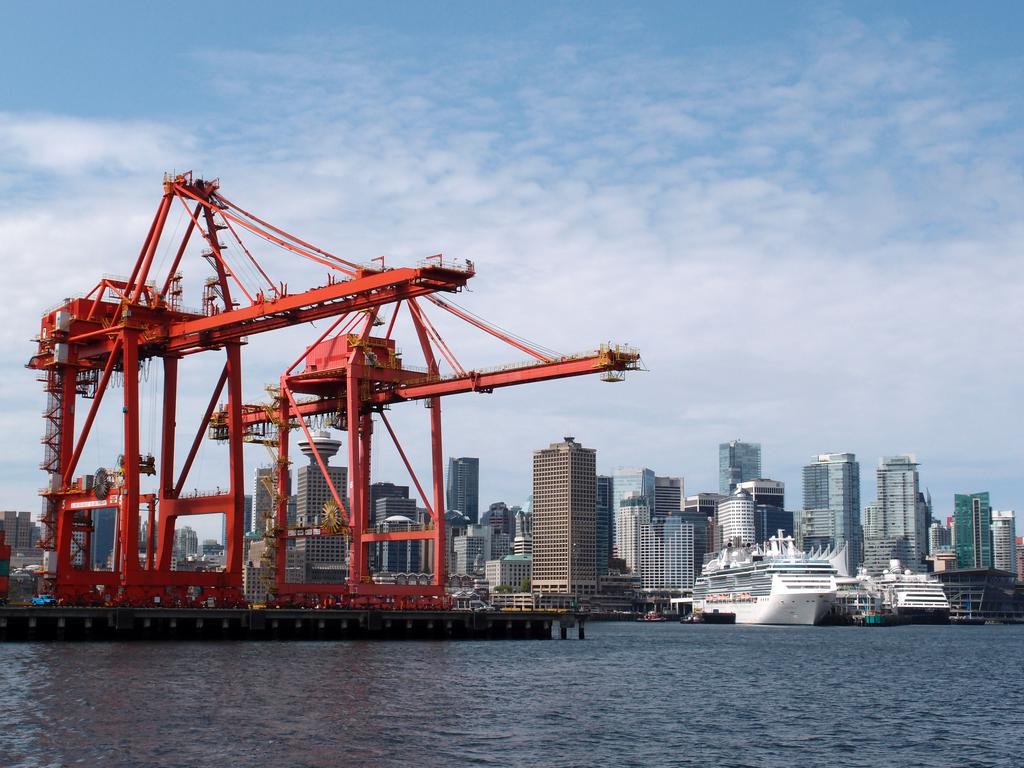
(807, 216)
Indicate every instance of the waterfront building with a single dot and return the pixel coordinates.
(104, 527)
(770, 514)
(605, 536)
(634, 512)
(263, 500)
(397, 556)
(702, 544)
(973, 523)
(769, 520)
(940, 537)
(389, 506)
(17, 526)
(813, 528)
(706, 505)
(831, 484)
(318, 559)
(383, 490)
(627, 481)
(255, 576)
(737, 463)
(766, 492)
(942, 560)
(1020, 558)
(895, 529)
(312, 487)
(508, 571)
(500, 518)
(522, 544)
(564, 519)
(472, 551)
(666, 553)
(186, 543)
(1004, 554)
(735, 522)
(983, 594)
(668, 496)
(463, 486)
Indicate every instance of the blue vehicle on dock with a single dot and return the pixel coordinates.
(44, 600)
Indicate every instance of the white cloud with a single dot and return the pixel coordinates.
(67, 145)
(814, 246)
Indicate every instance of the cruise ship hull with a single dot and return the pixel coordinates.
(923, 615)
(787, 609)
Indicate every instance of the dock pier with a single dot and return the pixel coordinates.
(65, 623)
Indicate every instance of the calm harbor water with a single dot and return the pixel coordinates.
(629, 695)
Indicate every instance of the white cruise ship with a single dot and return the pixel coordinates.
(773, 583)
(917, 598)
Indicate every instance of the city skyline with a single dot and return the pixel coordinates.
(835, 196)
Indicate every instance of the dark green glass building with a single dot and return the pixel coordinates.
(972, 526)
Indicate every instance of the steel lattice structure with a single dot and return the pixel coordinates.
(348, 375)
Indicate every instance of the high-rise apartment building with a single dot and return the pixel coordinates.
(104, 526)
(380, 491)
(770, 514)
(630, 481)
(896, 527)
(668, 496)
(17, 526)
(564, 519)
(186, 543)
(397, 556)
(666, 553)
(522, 543)
(634, 512)
(1004, 549)
(735, 521)
(972, 516)
(705, 505)
(737, 463)
(605, 523)
(940, 537)
(463, 491)
(832, 483)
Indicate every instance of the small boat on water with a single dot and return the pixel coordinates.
(710, 617)
(652, 616)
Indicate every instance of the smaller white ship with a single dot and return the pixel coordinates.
(916, 598)
(773, 583)
(909, 598)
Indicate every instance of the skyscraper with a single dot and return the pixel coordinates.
(666, 553)
(626, 482)
(736, 519)
(634, 512)
(1004, 549)
(770, 515)
(564, 519)
(704, 505)
(104, 525)
(939, 537)
(323, 558)
(464, 487)
(668, 496)
(832, 482)
(896, 527)
(605, 523)
(263, 493)
(972, 530)
(737, 463)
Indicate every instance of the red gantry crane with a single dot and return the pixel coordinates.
(348, 378)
